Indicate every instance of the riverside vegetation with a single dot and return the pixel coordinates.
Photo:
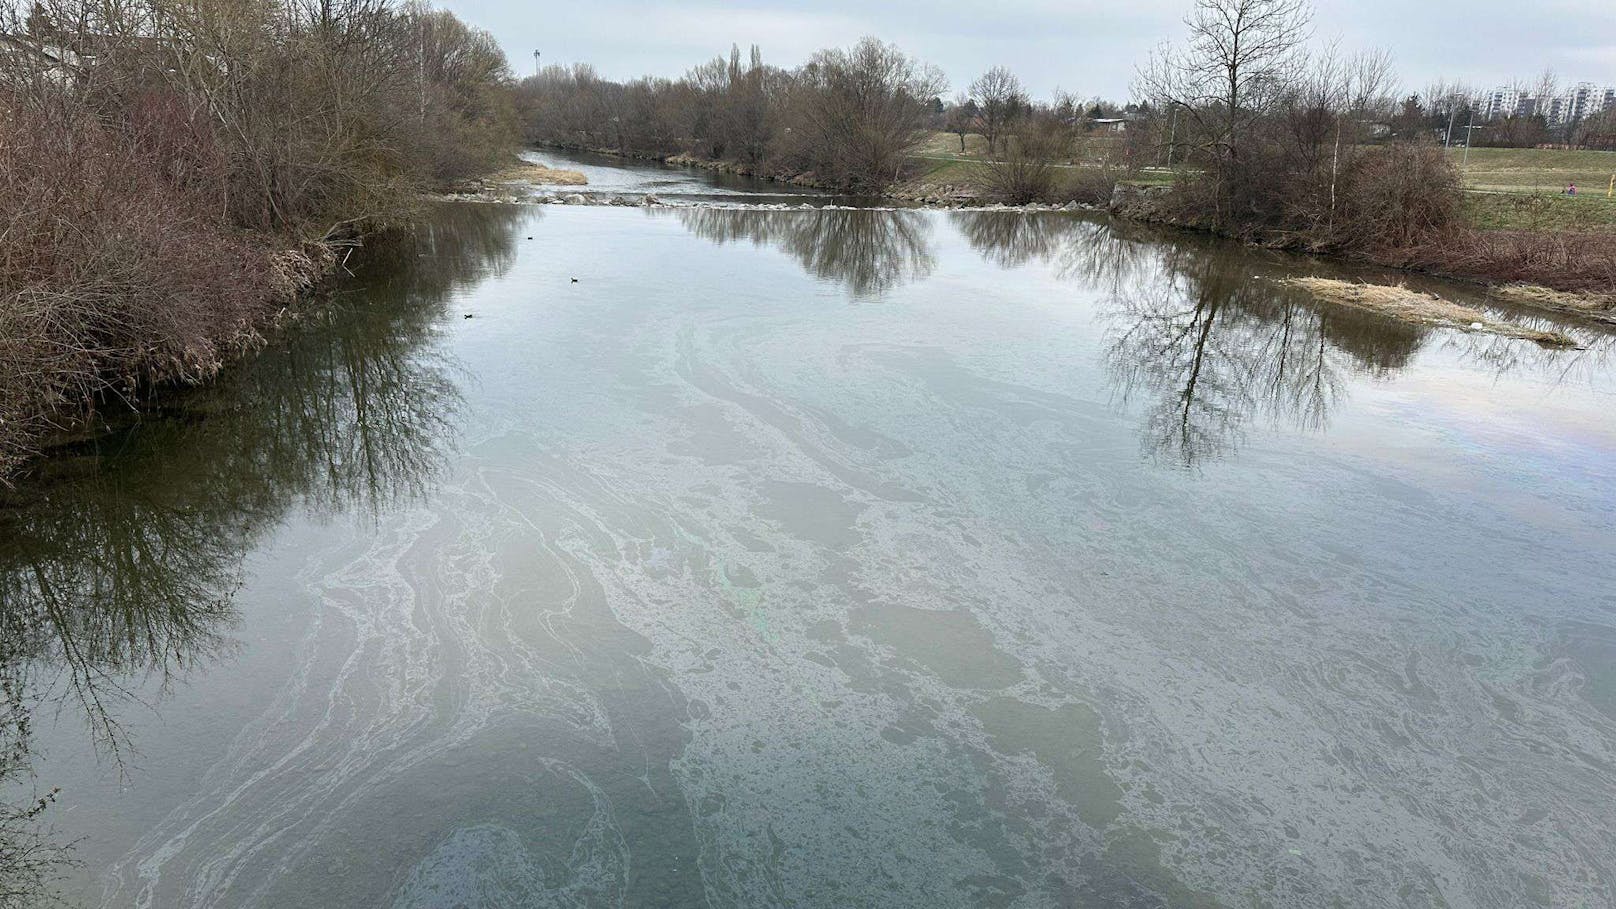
(1241, 130)
(174, 174)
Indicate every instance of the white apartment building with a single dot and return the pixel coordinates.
(1581, 101)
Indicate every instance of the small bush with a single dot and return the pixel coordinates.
(1025, 168)
(115, 268)
(1090, 185)
(1396, 197)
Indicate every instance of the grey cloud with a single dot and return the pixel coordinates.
(1086, 47)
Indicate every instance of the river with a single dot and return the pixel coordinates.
(708, 555)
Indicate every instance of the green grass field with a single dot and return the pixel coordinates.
(1539, 211)
(1509, 188)
(940, 161)
(1536, 170)
(1523, 188)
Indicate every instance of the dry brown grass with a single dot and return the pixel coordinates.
(538, 174)
(1399, 302)
(1600, 306)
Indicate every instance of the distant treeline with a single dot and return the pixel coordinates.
(172, 171)
(1301, 148)
(848, 117)
(1266, 138)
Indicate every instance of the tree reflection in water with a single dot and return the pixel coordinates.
(119, 564)
(868, 250)
(1195, 325)
(1215, 348)
(1193, 328)
(1091, 250)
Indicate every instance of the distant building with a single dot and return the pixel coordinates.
(1502, 102)
(26, 54)
(1581, 101)
(1108, 124)
(64, 58)
(1554, 109)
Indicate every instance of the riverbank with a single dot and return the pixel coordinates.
(153, 236)
(1126, 467)
(1567, 273)
(150, 295)
(51, 399)
(1404, 304)
(1560, 272)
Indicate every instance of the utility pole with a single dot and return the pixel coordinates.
(1172, 136)
(1470, 136)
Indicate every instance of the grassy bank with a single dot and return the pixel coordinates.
(1524, 189)
(1535, 170)
(1547, 212)
(1542, 252)
(1505, 188)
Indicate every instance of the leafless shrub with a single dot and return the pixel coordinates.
(1026, 168)
(1576, 262)
(1091, 185)
(1397, 196)
(114, 270)
(153, 153)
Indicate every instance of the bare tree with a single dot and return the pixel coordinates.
(1546, 87)
(961, 118)
(863, 110)
(999, 99)
(1235, 62)
(1446, 103)
(1024, 170)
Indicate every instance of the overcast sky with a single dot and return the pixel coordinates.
(1084, 46)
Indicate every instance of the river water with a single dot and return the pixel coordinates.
(695, 556)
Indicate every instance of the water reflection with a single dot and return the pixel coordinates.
(690, 662)
(1210, 350)
(1094, 252)
(1199, 330)
(1202, 334)
(870, 251)
(1192, 331)
(119, 563)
